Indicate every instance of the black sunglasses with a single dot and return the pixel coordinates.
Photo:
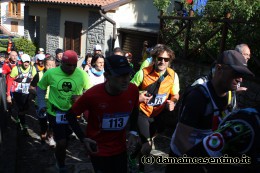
(163, 58)
(26, 62)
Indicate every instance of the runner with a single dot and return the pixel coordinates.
(18, 90)
(111, 105)
(67, 83)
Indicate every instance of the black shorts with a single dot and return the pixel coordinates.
(60, 131)
(110, 164)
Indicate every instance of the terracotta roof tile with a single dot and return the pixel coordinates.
(94, 3)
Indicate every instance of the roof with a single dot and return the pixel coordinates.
(105, 5)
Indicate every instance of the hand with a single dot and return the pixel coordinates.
(241, 89)
(9, 99)
(170, 105)
(42, 112)
(145, 97)
(146, 148)
(90, 145)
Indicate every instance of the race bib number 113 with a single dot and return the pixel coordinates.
(115, 122)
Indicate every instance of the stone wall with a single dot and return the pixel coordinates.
(53, 30)
(188, 72)
(96, 31)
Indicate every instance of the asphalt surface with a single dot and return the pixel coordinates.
(22, 153)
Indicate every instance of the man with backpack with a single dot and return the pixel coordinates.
(204, 107)
(18, 90)
(159, 91)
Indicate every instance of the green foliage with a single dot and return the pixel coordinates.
(161, 5)
(26, 46)
(245, 28)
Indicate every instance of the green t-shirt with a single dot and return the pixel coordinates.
(62, 87)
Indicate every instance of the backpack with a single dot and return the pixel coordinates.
(20, 76)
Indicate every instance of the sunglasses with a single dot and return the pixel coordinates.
(163, 58)
(26, 62)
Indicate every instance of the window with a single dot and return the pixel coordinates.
(72, 39)
(14, 26)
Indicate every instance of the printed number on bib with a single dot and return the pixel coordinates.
(61, 118)
(115, 121)
(158, 100)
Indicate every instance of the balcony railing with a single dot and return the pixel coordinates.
(12, 15)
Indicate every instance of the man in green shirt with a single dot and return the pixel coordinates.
(66, 82)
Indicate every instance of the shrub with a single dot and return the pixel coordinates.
(25, 45)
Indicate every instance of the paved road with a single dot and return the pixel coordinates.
(30, 158)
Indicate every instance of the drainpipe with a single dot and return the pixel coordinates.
(114, 27)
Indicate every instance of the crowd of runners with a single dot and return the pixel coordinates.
(126, 108)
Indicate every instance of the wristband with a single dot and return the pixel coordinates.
(134, 133)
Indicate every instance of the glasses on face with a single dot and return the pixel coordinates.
(26, 62)
(163, 58)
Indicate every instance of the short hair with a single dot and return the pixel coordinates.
(94, 59)
(57, 51)
(119, 50)
(240, 47)
(49, 58)
(160, 48)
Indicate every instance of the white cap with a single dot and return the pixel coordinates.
(41, 49)
(97, 47)
(25, 57)
(40, 57)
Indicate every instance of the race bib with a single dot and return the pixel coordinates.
(23, 88)
(158, 100)
(61, 118)
(115, 121)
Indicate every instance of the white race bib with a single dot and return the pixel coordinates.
(61, 118)
(114, 121)
(159, 99)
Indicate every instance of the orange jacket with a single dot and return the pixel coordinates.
(151, 76)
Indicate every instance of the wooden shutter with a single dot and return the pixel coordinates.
(73, 36)
(19, 9)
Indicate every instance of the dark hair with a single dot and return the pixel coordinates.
(160, 48)
(57, 51)
(94, 59)
(118, 49)
(88, 55)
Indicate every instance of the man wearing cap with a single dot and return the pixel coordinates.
(111, 106)
(18, 89)
(97, 49)
(205, 106)
(39, 62)
(66, 82)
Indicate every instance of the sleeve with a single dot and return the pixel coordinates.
(34, 71)
(6, 69)
(43, 83)
(35, 80)
(176, 85)
(138, 78)
(14, 72)
(81, 104)
(146, 63)
(193, 108)
(87, 84)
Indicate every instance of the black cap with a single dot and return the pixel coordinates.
(117, 65)
(236, 61)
